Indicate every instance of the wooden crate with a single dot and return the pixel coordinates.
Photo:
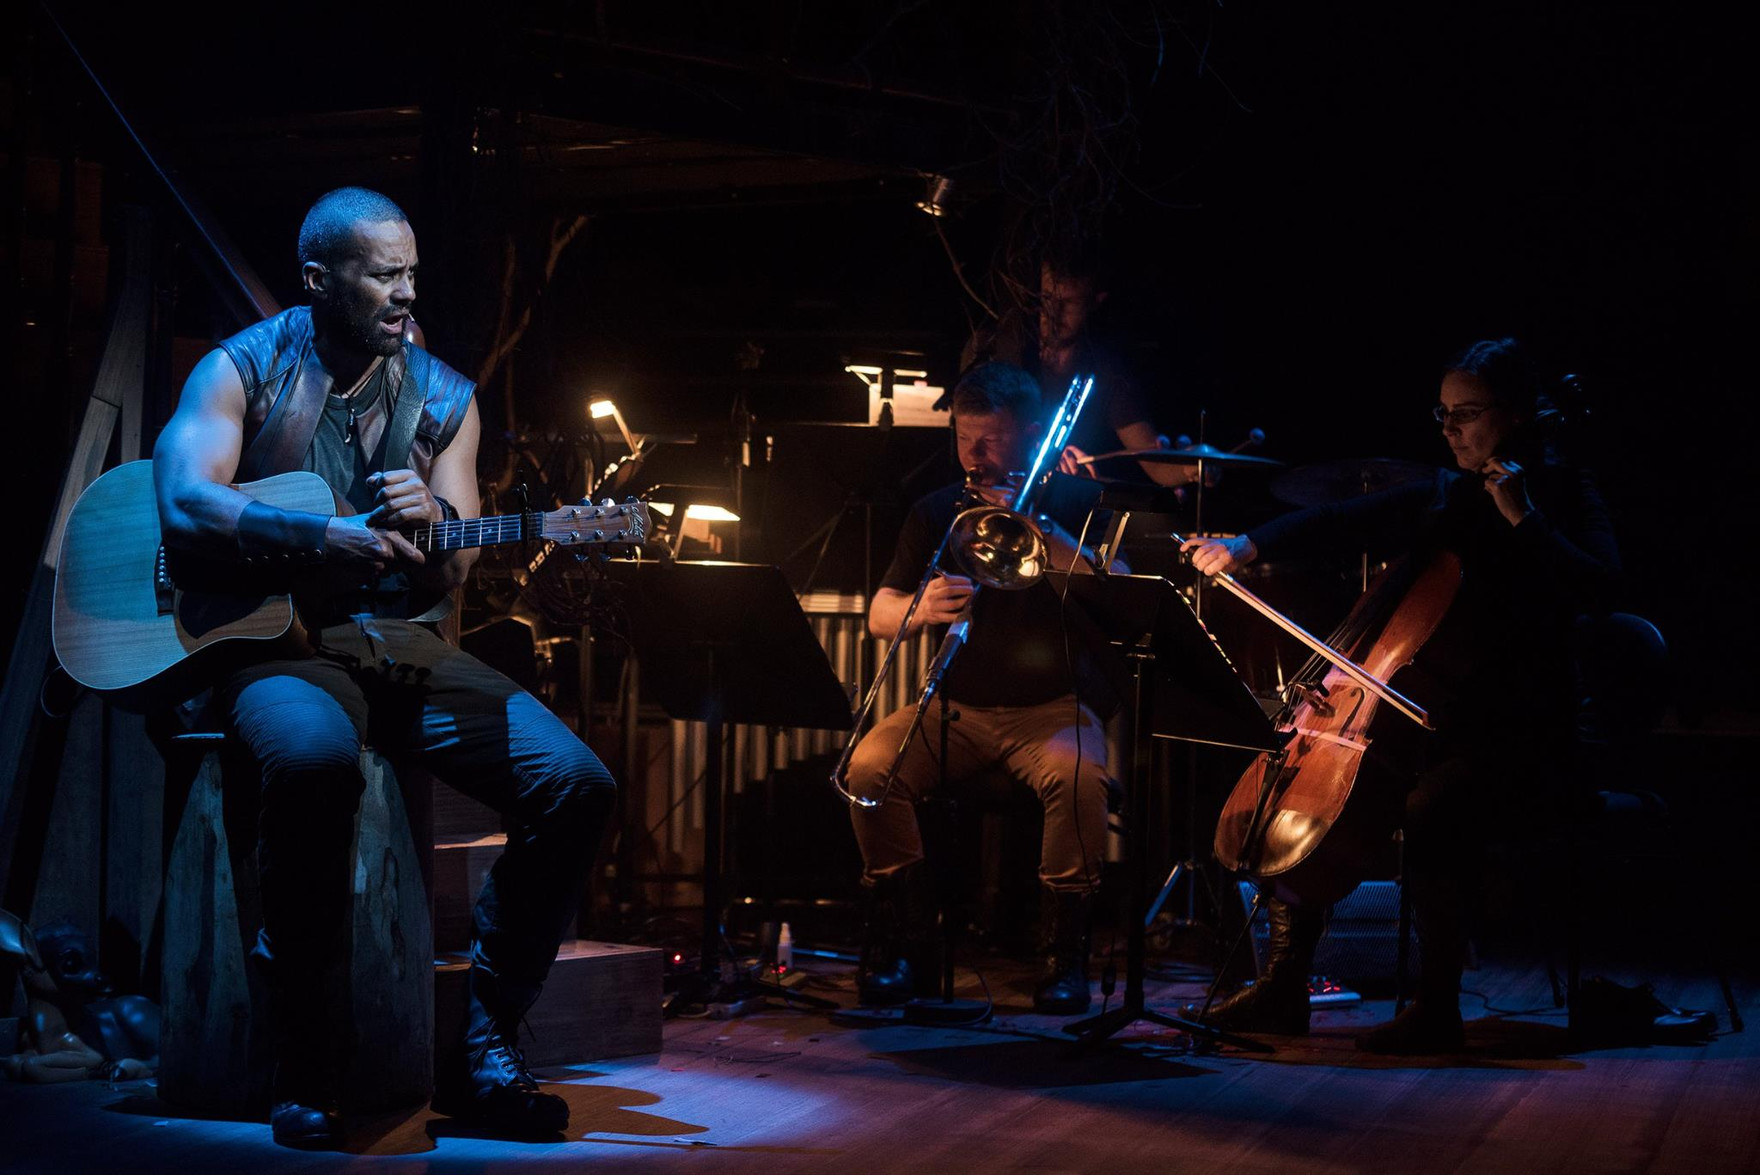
(459, 870)
(457, 817)
(601, 1000)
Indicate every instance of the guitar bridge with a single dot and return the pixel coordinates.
(164, 591)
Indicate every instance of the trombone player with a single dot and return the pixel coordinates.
(1014, 700)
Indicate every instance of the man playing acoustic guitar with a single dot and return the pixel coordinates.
(340, 389)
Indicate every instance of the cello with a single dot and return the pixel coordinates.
(1302, 821)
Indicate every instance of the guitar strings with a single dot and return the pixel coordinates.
(454, 534)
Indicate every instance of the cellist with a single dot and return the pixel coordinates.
(1537, 550)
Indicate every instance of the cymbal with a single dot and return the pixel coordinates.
(1335, 481)
(1191, 455)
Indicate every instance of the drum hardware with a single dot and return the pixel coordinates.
(1198, 454)
(1338, 481)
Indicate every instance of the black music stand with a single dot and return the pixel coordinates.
(720, 643)
(1179, 686)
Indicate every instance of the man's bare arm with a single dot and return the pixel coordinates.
(1063, 554)
(194, 462)
(943, 600)
(453, 476)
(196, 456)
(1139, 435)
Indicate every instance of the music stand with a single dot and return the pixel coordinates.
(719, 643)
(1179, 686)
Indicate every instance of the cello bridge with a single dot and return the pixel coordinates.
(1315, 696)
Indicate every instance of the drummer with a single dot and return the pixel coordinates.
(1067, 337)
(1537, 551)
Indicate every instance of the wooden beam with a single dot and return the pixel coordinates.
(121, 373)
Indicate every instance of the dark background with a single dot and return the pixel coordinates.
(1313, 206)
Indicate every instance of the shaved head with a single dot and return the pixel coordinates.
(327, 235)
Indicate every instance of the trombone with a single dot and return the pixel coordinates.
(999, 547)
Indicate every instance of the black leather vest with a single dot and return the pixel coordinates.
(285, 386)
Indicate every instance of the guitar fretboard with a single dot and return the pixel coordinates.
(593, 525)
(458, 534)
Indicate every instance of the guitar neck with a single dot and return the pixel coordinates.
(585, 525)
(463, 533)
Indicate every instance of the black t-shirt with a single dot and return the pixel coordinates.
(346, 447)
(1117, 400)
(1015, 650)
(337, 452)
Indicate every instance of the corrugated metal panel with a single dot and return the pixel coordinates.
(840, 622)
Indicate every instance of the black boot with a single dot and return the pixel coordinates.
(1431, 1024)
(1278, 1002)
(1064, 940)
(898, 955)
(311, 1050)
(306, 1123)
(303, 1112)
(488, 1084)
(1429, 1027)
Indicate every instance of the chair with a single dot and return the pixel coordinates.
(1622, 661)
(965, 824)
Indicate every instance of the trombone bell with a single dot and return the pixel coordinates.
(998, 548)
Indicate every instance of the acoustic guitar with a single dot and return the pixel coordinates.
(142, 625)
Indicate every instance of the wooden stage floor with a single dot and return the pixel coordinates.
(786, 1090)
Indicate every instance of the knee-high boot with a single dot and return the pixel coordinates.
(1278, 1002)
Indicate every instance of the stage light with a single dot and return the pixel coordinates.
(696, 512)
(703, 505)
(601, 408)
(899, 395)
(864, 370)
(935, 200)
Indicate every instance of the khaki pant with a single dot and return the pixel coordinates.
(1038, 745)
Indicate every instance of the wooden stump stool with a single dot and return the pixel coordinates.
(214, 1053)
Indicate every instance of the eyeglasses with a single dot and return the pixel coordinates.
(1459, 416)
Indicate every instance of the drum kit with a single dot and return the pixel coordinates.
(1313, 593)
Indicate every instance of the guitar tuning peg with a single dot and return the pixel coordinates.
(607, 503)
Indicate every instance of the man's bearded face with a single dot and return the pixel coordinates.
(365, 299)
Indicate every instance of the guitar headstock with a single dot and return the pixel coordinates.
(607, 524)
